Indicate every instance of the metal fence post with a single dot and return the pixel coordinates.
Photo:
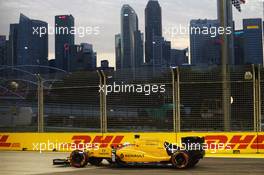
(254, 99)
(40, 104)
(101, 86)
(226, 96)
(103, 110)
(104, 104)
(259, 99)
(176, 100)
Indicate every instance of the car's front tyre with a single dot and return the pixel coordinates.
(78, 159)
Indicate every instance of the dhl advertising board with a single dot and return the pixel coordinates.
(215, 143)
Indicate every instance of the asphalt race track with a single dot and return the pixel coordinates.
(18, 163)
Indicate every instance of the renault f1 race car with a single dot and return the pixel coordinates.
(143, 151)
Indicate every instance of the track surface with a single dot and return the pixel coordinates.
(18, 163)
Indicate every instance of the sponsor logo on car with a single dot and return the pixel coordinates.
(135, 155)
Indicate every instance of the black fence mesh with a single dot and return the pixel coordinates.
(135, 100)
(262, 98)
(141, 101)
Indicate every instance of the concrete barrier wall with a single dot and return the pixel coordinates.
(217, 143)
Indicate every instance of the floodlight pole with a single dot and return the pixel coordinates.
(223, 6)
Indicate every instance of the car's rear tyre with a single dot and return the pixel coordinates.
(78, 159)
(180, 159)
(95, 161)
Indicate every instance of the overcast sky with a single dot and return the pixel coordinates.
(105, 14)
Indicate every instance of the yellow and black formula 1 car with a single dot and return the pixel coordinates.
(143, 151)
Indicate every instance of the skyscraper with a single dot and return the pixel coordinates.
(12, 48)
(105, 66)
(239, 47)
(161, 52)
(2, 39)
(139, 48)
(131, 39)
(82, 57)
(166, 52)
(253, 41)
(118, 51)
(31, 49)
(64, 38)
(205, 48)
(157, 59)
(153, 27)
(3, 50)
(178, 57)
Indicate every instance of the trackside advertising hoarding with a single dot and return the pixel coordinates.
(215, 143)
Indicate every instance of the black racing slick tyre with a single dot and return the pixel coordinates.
(180, 159)
(95, 161)
(78, 159)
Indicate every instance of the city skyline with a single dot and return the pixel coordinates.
(94, 15)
